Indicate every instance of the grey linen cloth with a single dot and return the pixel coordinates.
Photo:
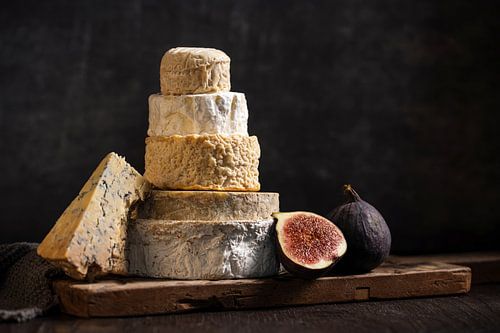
(25, 282)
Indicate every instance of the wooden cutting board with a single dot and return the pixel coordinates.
(485, 266)
(130, 297)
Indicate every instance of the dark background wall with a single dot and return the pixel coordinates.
(399, 98)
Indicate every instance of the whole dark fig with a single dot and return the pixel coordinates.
(366, 232)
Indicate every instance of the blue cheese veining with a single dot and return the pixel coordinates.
(89, 237)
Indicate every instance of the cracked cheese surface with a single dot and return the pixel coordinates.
(203, 162)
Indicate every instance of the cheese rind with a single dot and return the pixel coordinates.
(209, 205)
(190, 70)
(203, 162)
(89, 237)
(217, 113)
(202, 249)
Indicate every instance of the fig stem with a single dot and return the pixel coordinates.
(350, 194)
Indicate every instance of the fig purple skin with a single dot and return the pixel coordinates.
(308, 245)
(366, 232)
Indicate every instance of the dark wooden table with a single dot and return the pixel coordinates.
(477, 311)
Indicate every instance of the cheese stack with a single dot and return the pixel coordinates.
(198, 140)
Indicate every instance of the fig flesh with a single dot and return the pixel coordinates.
(366, 232)
(308, 244)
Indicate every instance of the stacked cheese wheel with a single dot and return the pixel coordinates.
(206, 219)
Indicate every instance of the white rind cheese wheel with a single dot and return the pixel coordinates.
(209, 205)
(89, 238)
(190, 70)
(203, 162)
(202, 250)
(217, 113)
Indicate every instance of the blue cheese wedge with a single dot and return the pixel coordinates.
(211, 250)
(217, 113)
(89, 237)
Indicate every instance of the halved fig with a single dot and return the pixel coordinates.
(309, 245)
